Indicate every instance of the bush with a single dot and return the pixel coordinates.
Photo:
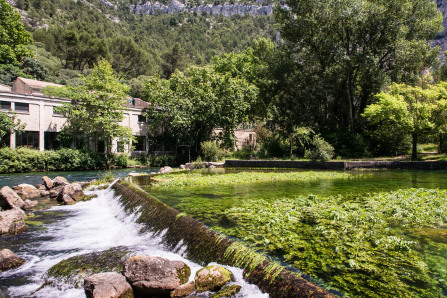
(161, 160)
(23, 160)
(120, 160)
(210, 150)
(321, 150)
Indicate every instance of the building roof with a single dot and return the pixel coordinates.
(35, 84)
(4, 88)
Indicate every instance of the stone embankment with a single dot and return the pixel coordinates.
(149, 276)
(338, 165)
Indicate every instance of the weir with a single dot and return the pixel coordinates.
(203, 245)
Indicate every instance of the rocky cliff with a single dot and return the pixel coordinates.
(225, 9)
(441, 39)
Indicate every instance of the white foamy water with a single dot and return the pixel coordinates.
(95, 225)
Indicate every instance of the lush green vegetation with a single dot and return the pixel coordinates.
(365, 241)
(24, 160)
(198, 179)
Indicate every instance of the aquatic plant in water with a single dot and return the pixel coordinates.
(198, 179)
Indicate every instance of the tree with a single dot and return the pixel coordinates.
(345, 51)
(13, 36)
(9, 124)
(413, 110)
(191, 105)
(173, 59)
(98, 107)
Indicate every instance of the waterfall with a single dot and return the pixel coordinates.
(99, 224)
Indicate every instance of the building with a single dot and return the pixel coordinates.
(43, 123)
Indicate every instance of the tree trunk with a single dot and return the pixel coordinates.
(442, 143)
(414, 151)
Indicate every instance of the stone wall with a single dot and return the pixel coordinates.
(338, 165)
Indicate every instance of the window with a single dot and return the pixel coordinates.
(22, 107)
(29, 139)
(50, 141)
(101, 146)
(140, 143)
(5, 105)
(120, 147)
(141, 118)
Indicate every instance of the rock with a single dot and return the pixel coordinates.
(59, 181)
(27, 191)
(74, 191)
(9, 260)
(189, 166)
(108, 284)
(184, 290)
(9, 199)
(44, 193)
(67, 200)
(211, 166)
(155, 275)
(11, 221)
(74, 270)
(212, 278)
(41, 187)
(165, 170)
(54, 193)
(182, 167)
(29, 204)
(47, 182)
(227, 291)
(93, 181)
(84, 184)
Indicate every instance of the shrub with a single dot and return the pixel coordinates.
(161, 160)
(210, 150)
(321, 150)
(120, 160)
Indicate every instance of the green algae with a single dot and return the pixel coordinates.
(369, 241)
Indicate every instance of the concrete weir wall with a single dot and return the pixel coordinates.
(204, 245)
(338, 165)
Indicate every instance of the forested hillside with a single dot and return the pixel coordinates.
(70, 36)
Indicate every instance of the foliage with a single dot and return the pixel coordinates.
(197, 179)
(98, 107)
(210, 150)
(23, 160)
(320, 150)
(173, 60)
(13, 36)
(161, 160)
(9, 124)
(412, 110)
(190, 105)
(338, 54)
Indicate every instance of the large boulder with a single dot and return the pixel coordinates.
(9, 260)
(9, 198)
(27, 191)
(107, 285)
(59, 181)
(74, 191)
(11, 221)
(47, 182)
(212, 278)
(155, 275)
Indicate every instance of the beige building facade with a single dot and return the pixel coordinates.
(43, 123)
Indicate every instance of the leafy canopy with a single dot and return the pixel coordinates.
(13, 36)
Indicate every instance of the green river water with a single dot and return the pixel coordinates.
(376, 234)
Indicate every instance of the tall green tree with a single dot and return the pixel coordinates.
(172, 60)
(98, 107)
(13, 36)
(414, 110)
(346, 50)
(191, 105)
